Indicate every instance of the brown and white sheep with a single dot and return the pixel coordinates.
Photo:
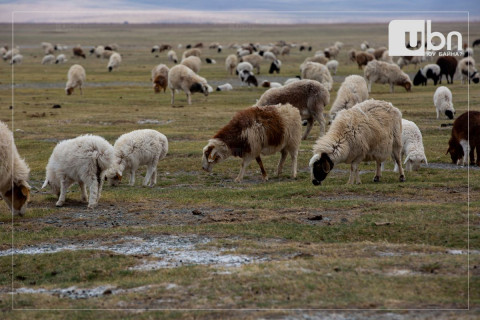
(160, 78)
(78, 52)
(466, 126)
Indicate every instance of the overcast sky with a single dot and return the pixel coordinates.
(239, 11)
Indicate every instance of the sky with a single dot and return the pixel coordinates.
(239, 11)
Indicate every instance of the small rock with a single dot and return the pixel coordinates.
(197, 212)
(108, 291)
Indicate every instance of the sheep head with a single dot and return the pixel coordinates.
(17, 197)
(320, 166)
(113, 176)
(414, 160)
(455, 150)
(68, 91)
(199, 87)
(214, 152)
(449, 114)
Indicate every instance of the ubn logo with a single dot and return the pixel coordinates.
(396, 38)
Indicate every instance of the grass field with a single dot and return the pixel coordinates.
(287, 243)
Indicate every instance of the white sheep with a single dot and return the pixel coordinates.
(172, 56)
(10, 53)
(160, 78)
(231, 63)
(192, 52)
(17, 59)
(114, 61)
(99, 50)
(254, 59)
(291, 80)
(76, 78)
(412, 147)
(48, 48)
(244, 66)
(225, 87)
(193, 62)
(48, 59)
(83, 160)
(332, 66)
(386, 57)
(14, 188)
(371, 130)
(242, 52)
(317, 71)
(269, 56)
(183, 78)
(467, 70)
(257, 131)
(135, 149)
(442, 99)
(61, 58)
(352, 91)
(383, 72)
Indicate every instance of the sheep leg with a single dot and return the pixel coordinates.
(378, 174)
(321, 121)
(173, 96)
(397, 158)
(153, 179)
(294, 156)
(281, 162)
(148, 176)
(132, 177)
(369, 86)
(392, 88)
(81, 91)
(84, 191)
(262, 169)
(466, 151)
(189, 98)
(93, 199)
(438, 114)
(353, 173)
(245, 163)
(309, 128)
(63, 192)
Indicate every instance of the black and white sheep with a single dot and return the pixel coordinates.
(430, 71)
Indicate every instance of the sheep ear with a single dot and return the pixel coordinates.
(211, 157)
(25, 189)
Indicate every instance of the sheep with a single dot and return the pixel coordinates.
(135, 149)
(244, 66)
(155, 48)
(3, 50)
(370, 51)
(210, 61)
(371, 130)
(248, 77)
(466, 68)
(48, 59)
(198, 45)
(378, 53)
(219, 49)
(404, 61)
(99, 50)
(331, 52)
(285, 50)
(382, 72)
(352, 54)
(254, 60)
(352, 91)
(115, 47)
(308, 96)
(48, 48)
(318, 72)
(291, 80)
(160, 78)
(213, 45)
(269, 56)
(61, 58)
(107, 54)
(305, 46)
(83, 160)
(76, 78)
(442, 99)
(192, 62)
(412, 147)
(268, 84)
(275, 66)
(192, 52)
(172, 56)
(430, 71)
(468, 52)
(338, 44)
(183, 78)
(17, 59)
(243, 52)
(164, 47)
(78, 52)
(332, 66)
(466, 126)
(10, 53)
(448, 66)
(318, 59)
(225, 87)
(114, 61)
(364, 45)
(363, 58)
(386, 57)
(231, 63)
(14, 172)
(253, 132)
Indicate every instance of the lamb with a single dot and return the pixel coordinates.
(382, 72)
(442, 99)
(268, 84)
(78, 52)
(318, 72)
(459, 146)
(430, 71)
(76, 78)
(254, 60)
(332, 66)
(363, 58)
(412, 147)
(448, 66)
(135, 149)
(352, 91)
(160, 78)
(14, 188)
(308, 96)
(466, 68)
(61, 58)
(231, 63)
(275, 66)
(114, 62)
(17, 59)
(253, 132)
(225, 87)
(83, 160)
(192, 52)
(371, 130)
(48, 59)
(183, 78)
(248, 77)
(269, 56)
(193, 63)
(172, 56)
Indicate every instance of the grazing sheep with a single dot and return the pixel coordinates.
(135, 149)
(183, 78)
(76, 78)
(210, 61)
(318, 59)
(192, 62)
(412, 147)
(254, 60)
(155, 48)
(386, 57)
(225, 87)
(164, 47)
(48, 59)
(430, 71)
(214, 45)
(318, 72)
(291, 80)
(268, 84)
(192, 52)
(78, 52)
(47, 47)
(114, 61)
(243, 52)
(371, 130)
(160, 78)
(404, 61)
(14, 188)
(332, 66)
(442, 99)
(460, 146)
(308, 96)
(244, 66)
(269, 56)
(466, 68)
(107, 54)
(331, 52)
(10, 53)
(172, 56)
(352, 54)
(364, 45)
(61, 58)
(83, 160)
(248, 77)
(98, 51)
(17, 59)
(275, 66)
(285, 50)
(231, 63)
(253, 132)
(382, 72)
(378, 53)
(352, 91)
(448, 66)
(363, 58)
(219, 49)
(115, 47)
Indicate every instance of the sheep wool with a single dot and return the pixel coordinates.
(160, 78)
(76, 78)
(192, 62)
(352, 91)
(48, 59)
(318, 72)
(183, 78)
(231, 63)
(114, 61)
(382, 72)
(412, 147)
(442, 99)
